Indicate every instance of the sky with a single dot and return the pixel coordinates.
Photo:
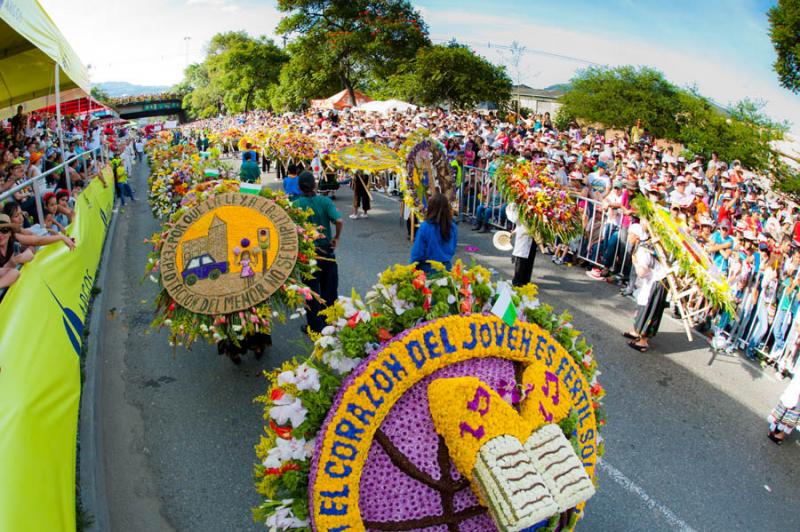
(720, 46)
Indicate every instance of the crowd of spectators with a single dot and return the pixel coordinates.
(29, 148)
(751, 233)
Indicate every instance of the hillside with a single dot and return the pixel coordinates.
(117, 89)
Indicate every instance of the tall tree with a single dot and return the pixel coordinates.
(617, 97)
(451, 74)
(784, 21)
(353, 40)
(237, 74)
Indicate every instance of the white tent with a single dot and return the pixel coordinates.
(386, 107)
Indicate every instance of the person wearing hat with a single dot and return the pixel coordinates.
(326, 279)
(12, 255)
(721, 246)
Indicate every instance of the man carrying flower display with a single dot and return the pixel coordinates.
(326, 278)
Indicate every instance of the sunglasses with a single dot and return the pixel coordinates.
(5, 230)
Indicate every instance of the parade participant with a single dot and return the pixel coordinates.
(249, 171)
(290, 182)
(437, 236)
(651, 299)
(524, 252)
(361, 197)
(326, 278)
(786, 415)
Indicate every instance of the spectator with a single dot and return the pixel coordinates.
(437, 236)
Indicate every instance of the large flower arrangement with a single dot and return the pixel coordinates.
(366, 157)
(295, 146)
(302, 391)
(411, 183)
(687, 253)
(175, 170)
(290, 299)
(543, 206)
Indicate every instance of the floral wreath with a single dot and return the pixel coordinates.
(290, 299)
(295, 146)
(542, 205)
(691, 258)
(302, 393)
(411, 181)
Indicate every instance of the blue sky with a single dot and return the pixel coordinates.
(722, 47)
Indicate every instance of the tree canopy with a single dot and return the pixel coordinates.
(353, 41)
(451, 74)
(236, 75)
(784, 20)
(617, 97)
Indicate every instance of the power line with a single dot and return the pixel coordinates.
(525, 50)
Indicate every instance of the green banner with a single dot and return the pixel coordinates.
(42, 319)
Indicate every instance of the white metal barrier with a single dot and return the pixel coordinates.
(36, 184)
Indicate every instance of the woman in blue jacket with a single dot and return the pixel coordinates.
(436, 238)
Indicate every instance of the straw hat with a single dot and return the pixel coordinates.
(5, 221)
(502, 241)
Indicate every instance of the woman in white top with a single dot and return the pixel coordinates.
(651, 299)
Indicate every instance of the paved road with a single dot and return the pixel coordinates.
(685, 440)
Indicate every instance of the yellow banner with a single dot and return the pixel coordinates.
(42, 319)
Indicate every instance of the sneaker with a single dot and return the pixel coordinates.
(558, 261)
(353, 216)
(363, 215)
(596, 274)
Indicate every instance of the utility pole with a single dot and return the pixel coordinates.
(186, 42)
(517, 51)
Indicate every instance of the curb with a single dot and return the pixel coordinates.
(92, 471)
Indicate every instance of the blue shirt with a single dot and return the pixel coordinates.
(429, 245)
(291, 186)
(719, 260)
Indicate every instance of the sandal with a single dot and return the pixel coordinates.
(640, 348)
(632, 336)
(775, 439)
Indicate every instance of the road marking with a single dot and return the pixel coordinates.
(618, 477)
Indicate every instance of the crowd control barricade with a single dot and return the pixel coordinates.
(38, 184)
(42, 318)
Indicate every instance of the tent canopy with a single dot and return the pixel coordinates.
(385, 107)
(340, 100)
(30, 47)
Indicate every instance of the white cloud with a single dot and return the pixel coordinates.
(723, 82)
(143, 42)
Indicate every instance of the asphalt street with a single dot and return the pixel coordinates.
(685, 442)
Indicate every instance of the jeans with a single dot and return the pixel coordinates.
(484, 214)
(326, 284)
(124, 189)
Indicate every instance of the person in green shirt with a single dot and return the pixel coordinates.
(249, 171)
(326, 278)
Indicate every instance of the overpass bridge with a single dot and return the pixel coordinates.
(144, 106)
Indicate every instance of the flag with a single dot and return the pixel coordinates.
(211, 172)
(504, 307)
(249, 188)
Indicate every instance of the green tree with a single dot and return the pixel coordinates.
(617, 97)
(354, 41)
(451, 74)
(100, 95)
(236, 75)
(784, 21)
